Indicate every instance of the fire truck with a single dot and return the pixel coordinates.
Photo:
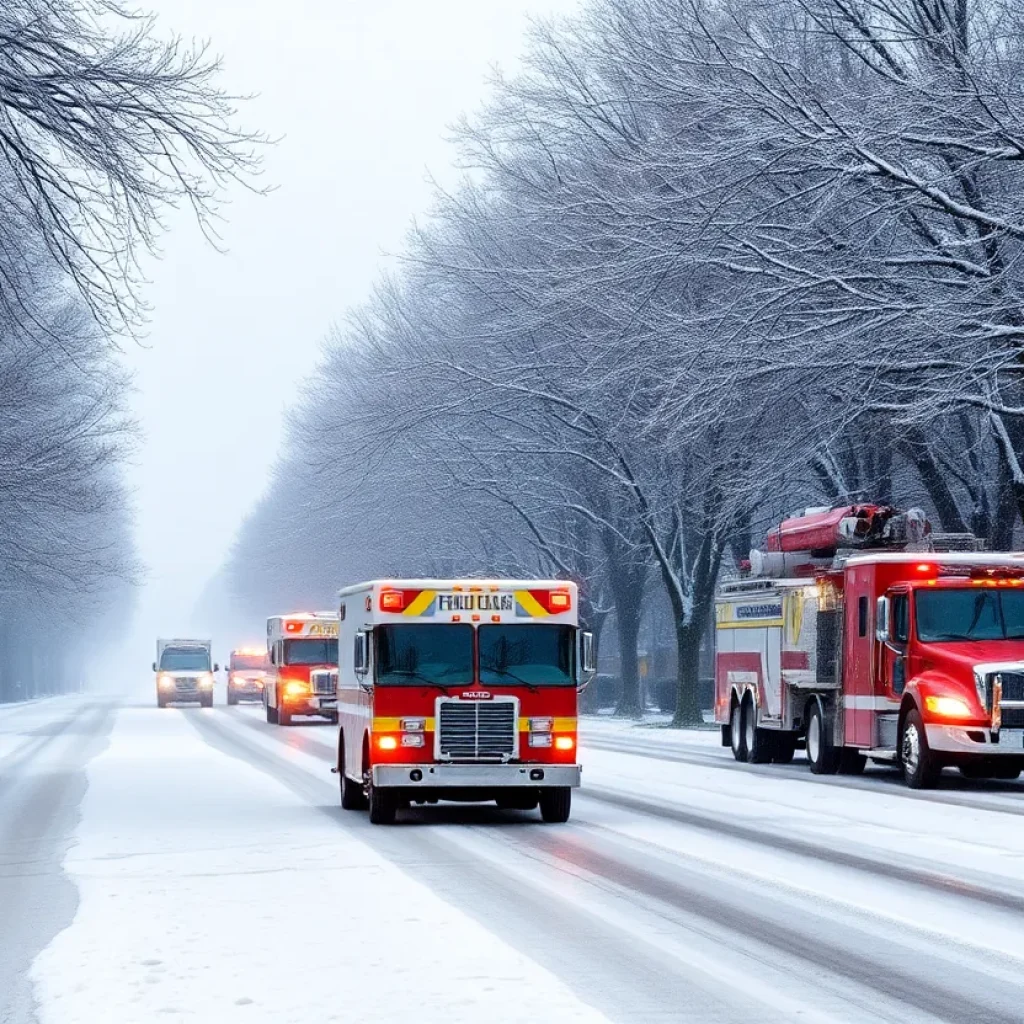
(247, 670)
(854, 635)
(460, 690)
(299, 645)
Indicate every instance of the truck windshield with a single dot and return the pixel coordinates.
(415, 655)
(537, 655)
(947, 615)
(311, 652)
(243, 662)
(185, 659)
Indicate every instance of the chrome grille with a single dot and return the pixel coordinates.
(470, 730)
(1013, 685)
(323, 683)
(186, 683)
(1012, 718)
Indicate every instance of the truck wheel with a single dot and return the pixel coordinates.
(232, 698)
(555, 804)
(921, 768)
(736, 739)
(785, 748)
(352, 796)
(333, 718)
(851, 762)
(284, 716)
(383, 806)
(271, 715)
(161, 703)
(758, 741)
(821, 752)
(206, 701)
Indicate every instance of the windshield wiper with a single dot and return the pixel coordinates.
(532, 687)
(443, 687)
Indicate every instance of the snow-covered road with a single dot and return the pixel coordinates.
(210, 875)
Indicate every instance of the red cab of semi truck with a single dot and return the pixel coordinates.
(247, 673)
(460, 690)
(855, 636)
(302, 649)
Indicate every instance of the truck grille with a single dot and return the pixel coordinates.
(477, 730)
(322, 684)
(184, 684)
(1012, 718)
(1013, 685)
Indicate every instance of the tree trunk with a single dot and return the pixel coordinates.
(627, 622)
(688, 709)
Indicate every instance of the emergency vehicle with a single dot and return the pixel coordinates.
(460, 690)
(247, 671)
(297, 646)
(854, 635)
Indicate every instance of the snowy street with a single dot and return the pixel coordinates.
(195, 864)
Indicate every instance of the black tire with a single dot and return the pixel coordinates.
(284, 716)
(232, 699)
(785, 748)
(160, 703)
(206, 701)
(921, 768)
(514, 801)
(758, 741)
(555, 804)
(271, 715)
(383, 806)
(736, 739)
(822, 755)
(353, 797)
(851, 762)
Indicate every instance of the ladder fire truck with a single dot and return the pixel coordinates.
(460, 690)
(853, 636)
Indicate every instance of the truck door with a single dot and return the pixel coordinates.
(892, 676)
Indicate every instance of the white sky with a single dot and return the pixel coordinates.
(362, 92)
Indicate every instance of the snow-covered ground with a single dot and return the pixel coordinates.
(219, 881)
(210, 892)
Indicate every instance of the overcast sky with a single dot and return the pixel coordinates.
(360, 92)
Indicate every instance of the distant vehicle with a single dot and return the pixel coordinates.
(460, 690)
(857, 634)
(184, 673)
(247, 672)
(297, 646)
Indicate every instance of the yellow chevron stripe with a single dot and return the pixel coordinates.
(419, 605)
(530, 603)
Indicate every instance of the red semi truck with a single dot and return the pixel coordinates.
(853, 636)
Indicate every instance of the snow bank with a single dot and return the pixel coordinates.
(209, 892)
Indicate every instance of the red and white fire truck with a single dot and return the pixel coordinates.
(298, 645)
(460, 690)
(854, 636)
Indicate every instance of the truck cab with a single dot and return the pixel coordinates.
(302, 649)
(184, 672)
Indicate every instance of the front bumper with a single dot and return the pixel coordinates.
(306, 705)
(979, 741)
(475, 776)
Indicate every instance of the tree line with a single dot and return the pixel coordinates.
(711, 261)
(103, 128)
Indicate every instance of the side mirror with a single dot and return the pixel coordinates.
(588, 661)
(882, 620)
(216, 667)
(154, 666)
(361, 653)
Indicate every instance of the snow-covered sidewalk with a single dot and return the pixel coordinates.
(210, 892)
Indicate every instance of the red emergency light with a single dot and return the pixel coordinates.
(293, 627)
(559, 601)
(392, 600)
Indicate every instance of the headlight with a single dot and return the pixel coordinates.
(165, 683)
(294, 688)
(206, 682)
(948, 707)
